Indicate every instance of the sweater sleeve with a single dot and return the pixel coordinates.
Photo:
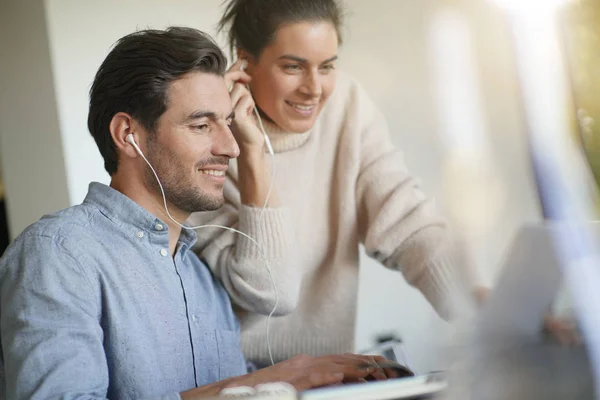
(398, 224)
(243, 264)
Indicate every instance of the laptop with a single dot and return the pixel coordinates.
(510, 358)
(525, 290)
(418, 387)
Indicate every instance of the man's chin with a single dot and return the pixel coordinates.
(212, 206)
(201, 204)
(209, 204)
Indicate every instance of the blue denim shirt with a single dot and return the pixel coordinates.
(93, 306)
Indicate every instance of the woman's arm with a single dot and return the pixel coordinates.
(398, 224)
(243, 264)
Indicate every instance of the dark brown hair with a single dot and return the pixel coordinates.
(252, 24)
(135, 77)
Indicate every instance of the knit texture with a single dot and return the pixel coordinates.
(342, 183)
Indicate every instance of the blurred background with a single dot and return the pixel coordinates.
(444, 73)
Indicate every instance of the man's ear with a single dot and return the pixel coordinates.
(122, 125)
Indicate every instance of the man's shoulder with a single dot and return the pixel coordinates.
(49, 247)
(71, 221)
(66, 228)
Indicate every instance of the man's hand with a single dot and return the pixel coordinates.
(305, 372)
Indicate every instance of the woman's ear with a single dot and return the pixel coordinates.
(250, 62)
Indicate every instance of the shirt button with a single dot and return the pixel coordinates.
(140, 234)
(159, 227)
(164, 252)
(194, 318)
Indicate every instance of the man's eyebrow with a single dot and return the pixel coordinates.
(304, 60)
(201, 114)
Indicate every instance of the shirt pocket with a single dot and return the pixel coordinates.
(231, 359)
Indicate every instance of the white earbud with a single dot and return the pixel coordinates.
(131, 140)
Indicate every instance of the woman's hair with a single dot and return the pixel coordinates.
(252, 24)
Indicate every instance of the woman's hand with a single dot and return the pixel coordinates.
(244, 126)
(563, 330)
(236, 74)
(254, 172)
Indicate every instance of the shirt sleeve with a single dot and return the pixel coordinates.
(49, 324)
(52, 341)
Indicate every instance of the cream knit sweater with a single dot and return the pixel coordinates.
(342, 183)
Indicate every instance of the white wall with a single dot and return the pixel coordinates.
(31, 142)
(81, 34)
(386, 48)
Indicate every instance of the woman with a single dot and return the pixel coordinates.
(339, 183)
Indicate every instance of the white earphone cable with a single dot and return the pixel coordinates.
(229, 229)
(260, 218)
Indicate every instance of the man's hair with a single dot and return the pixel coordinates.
(136, 75)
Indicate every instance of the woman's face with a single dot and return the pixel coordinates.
(295, 74)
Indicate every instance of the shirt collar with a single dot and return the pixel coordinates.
(126, 213)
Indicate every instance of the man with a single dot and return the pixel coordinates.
(104, 299)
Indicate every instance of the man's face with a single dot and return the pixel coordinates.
(193, 143)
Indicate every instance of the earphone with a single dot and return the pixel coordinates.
(131, 140)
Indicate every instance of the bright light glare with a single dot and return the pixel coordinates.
(530, 5)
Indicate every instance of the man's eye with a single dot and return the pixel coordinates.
(291, 67)
(201, 128)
